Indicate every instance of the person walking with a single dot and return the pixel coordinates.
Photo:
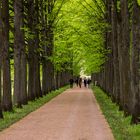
(85, 82)
(76, 81)
(71, 81)
(88, 82)
(80, 82)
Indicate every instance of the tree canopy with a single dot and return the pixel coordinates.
(79, 36)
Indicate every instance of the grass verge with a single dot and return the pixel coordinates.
(119, 124)
(17, 114)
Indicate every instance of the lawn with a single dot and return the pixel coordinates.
(120, 125)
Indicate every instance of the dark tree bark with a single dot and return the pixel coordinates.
(20, 77)
(44, 20)
(119, 42)
(31, 50)
(135, 63)
(116, 79)
(6, 100)
(49, 49)
(37, 82)
(23, 88)
(1, 115)
(58, 80)
(125, 53)
(109, 64)
(34, 83)
(44, 78)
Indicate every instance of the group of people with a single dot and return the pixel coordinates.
(87, 82)
(78, 81)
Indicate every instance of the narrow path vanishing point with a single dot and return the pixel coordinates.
(73, 115)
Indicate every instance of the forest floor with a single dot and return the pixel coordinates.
(73, 115)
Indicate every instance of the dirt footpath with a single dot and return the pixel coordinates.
(73, 115)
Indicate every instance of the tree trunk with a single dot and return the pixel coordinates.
(58, 80)
(44, 78)
(109, 67)
(1, 115)
(23, 88)
(20, 78)
(49, 49)
(135, 84)
(31, 50)
(7, 100)
(116, 79)
(125, 51)
(34, 83)
(44, 47)
(119, 42)
(37, 83)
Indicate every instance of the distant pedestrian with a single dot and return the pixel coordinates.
(76, 81)
(85, 82)
(80, 82)
(88, 82)
(71, 81)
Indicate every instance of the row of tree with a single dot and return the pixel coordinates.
(49, 40)
(27, 43)
(120, 76)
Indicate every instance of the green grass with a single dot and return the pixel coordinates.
(17, 114)
(119, 124)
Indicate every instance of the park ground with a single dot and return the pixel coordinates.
(73, 115)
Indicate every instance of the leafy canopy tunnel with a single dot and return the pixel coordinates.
(44, 42)
(79, 36)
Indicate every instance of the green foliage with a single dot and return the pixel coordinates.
(138, 1)
(119, 124)
(79, 28)
(17, 114)
(79, 37)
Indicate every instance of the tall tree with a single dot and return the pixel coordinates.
(37, 82)
(125, 54)
(44, 20)
(1, 115)
(119, 43)
(31, 49)
(6, 100)
(49, 48)
(34, 83)
(108, 44)
(116, 79)
(20, 77)
(135, 63)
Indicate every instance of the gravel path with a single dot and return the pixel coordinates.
(73, 115)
